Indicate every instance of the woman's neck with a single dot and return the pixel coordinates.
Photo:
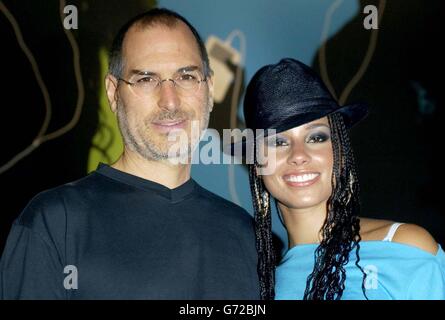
(303, 225)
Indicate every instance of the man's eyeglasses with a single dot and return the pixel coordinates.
(145, 84)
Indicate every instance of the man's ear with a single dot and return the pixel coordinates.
(210, 85)
(111, 88)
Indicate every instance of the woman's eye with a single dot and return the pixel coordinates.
(317, 138)
(278, 142)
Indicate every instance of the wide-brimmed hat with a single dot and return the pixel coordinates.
(289, 94)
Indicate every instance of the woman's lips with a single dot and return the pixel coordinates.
(302, 179)
(168, 126)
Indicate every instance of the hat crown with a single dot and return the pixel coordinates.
(279, 89)
(290, 94)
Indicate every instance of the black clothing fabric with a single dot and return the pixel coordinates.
(130, 238)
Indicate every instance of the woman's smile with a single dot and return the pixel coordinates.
(299, 179)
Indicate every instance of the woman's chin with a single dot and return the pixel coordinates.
(301, 204)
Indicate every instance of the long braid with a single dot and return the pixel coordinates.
(341, 230)
(263, 233)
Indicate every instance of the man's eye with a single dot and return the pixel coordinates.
(187, 77)
(146, 79)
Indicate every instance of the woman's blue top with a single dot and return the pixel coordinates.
(394, 271)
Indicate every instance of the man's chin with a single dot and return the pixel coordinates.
(174, 152)
(179, 158)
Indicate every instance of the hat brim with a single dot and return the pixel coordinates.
(352, 114)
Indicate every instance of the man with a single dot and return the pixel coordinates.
(141, 228)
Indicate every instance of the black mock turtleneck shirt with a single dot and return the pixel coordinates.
(112, 235)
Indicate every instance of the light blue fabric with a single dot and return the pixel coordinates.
(395, 271)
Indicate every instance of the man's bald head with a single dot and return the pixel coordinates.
(154, 17)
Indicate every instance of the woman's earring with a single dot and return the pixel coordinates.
(263, 200)
(265, 197)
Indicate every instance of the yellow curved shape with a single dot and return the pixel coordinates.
(107, 144)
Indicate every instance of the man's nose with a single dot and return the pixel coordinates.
(168, 95)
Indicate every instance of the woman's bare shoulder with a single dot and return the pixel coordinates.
(407, 233)
(416, 236)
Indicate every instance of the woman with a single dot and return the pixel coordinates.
(333, 254)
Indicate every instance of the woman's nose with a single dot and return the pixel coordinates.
(298, 154)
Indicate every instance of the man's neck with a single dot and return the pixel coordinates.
(304, 225)
(159, 171)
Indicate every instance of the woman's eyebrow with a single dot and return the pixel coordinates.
(316, 125)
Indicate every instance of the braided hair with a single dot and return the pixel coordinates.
(340, 231)
(263, 233)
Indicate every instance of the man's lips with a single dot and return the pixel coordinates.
(167, 126)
